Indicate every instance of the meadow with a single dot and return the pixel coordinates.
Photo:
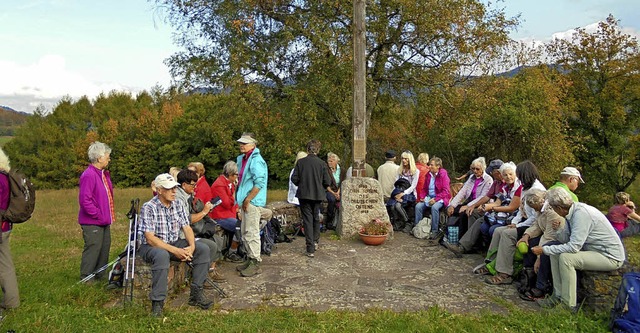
(47, 250)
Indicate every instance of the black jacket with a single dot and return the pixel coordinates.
(312, 178)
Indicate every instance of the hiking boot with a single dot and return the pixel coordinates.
(408, 226)
(233, 257)
(196, 298)
(549, 302)
(456, 249)
(253, 268)
(244, 265)
(436, 235)
(310, 255)
(156, 308)
(216, 276)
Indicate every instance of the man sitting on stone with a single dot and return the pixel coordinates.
(161, 220)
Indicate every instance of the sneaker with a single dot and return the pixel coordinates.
(456, 249)
(310, 255)
(216, 276)
(233, 257)
(253, 268)
(549, 302)
(244, 265)
(156, 308)
(315, 246)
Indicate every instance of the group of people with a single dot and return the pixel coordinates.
(176, 224)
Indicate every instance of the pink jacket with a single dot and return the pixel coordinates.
(465, 192)
(442, 183)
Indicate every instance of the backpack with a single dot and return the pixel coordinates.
(279, 235)
(22, 200)
(267, 237)
(422, 230)
(625, 315)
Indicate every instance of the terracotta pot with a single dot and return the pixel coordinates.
(373, 239)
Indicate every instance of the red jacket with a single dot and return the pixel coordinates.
(442, 186)
(203, 191)
(226, 190)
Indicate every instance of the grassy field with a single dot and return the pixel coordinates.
(47, 250)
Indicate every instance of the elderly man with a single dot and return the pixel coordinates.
(161, 220)
(388, 174)
(589, 243)
(251, 195)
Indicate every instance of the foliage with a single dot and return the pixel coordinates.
(602, 105)
(375, 227)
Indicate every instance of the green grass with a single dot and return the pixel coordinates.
(47, 250)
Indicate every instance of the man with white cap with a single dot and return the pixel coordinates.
(251, 195)
(570, 178)
(161, 220)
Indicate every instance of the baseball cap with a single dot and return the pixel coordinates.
(494, 165)
(165, 181)
(390, 154)
(571, 171)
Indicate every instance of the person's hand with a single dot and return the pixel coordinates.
(555, 225)
(449, 210)
(482, 209)
(337, 195)
(523, 239)
(207, 207)
(182, 253)
(536, 266)
(432, 201)
(537, 250)
(245, 204)
(399, 196)
(511, 225)
(463, 209)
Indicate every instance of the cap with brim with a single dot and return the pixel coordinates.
(494, 165)
(571, 171)
(390, 154)
(246, 139)
(165, 181)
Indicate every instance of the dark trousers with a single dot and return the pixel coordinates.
(310, 222)
(332, 207)
(97, 241)
(160, 260)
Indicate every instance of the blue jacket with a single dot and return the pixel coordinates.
(255, 175)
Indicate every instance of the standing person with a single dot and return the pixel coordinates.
(387, 174)
(293, 189)
(252, 197)
(160, 222)
(312, 178)
(8, 281)
(589, 243)
(96, 210)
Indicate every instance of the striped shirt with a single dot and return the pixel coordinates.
(164, 222)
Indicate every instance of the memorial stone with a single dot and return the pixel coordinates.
(361, 202)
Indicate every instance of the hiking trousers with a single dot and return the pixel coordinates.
(8, 281)
(250, 229)
(97, 241)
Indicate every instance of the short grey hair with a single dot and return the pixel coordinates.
(559, 197)
(4, 162)
(480, 161)
(535, 197)
(96, 150)
(508, 166)
(230, 168)
(331, 155)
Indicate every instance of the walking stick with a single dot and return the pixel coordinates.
(131, 250)
(210, 282)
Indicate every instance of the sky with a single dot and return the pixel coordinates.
(55, 48)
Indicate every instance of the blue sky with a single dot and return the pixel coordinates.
(52, 48)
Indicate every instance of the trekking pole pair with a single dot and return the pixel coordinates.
(131, 250)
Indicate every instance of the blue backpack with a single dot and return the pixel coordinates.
(625, 315)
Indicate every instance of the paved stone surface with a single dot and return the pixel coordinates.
(400, 275)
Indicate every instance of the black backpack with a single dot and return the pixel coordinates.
(268, 237)
(22, 200)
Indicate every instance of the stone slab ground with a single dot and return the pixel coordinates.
(400, 275)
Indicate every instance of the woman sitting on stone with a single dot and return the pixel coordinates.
(622, 215)
(435, 195)
(500, 212)
(400, 201)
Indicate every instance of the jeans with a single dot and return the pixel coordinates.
(435, 213)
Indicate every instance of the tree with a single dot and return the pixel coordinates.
(602, 104)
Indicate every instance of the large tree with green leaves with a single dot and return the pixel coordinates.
(603, 104)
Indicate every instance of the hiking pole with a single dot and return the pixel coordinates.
(128, 282)
(135, 245)
(211, 283)
(101, 269)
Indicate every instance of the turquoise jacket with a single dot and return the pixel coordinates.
(255, 175)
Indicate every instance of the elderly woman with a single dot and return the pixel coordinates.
(8, 280)
(589, 243)
(96, 210)
(403, 198)
(501, 211)
(435, 195)
(333, 192)
(473, 190)
(226, 213)
(422, 163)
(203, 190)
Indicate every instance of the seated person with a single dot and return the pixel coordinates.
(466, 201)
(160, 222)
(500, 212)
(395, 205)
(291, 195)
(589, 243)
(622, 215)
(202, 225)
(407, 198)
(226, 213)
(435, 195)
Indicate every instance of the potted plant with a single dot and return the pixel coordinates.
(374, 232)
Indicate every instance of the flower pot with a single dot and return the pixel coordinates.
(373, 239)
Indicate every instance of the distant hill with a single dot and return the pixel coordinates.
(10, 120)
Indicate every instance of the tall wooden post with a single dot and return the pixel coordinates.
(359, 90)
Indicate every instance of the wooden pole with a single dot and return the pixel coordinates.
(359, 90)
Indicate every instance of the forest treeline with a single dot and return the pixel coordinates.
(576, 104)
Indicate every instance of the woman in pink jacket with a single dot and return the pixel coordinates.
(435, 194)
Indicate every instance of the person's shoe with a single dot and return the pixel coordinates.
(216, 276)
(310, 255)
(156, 308)
(408, 226)
(315, 246)
(244, 265)
(436, 235)
(196, 298)
(253, 268)
(456, 249)
(549, 302)
(233, 257)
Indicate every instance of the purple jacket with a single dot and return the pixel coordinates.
(5, 191)
(442, 186)
(93, 199)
